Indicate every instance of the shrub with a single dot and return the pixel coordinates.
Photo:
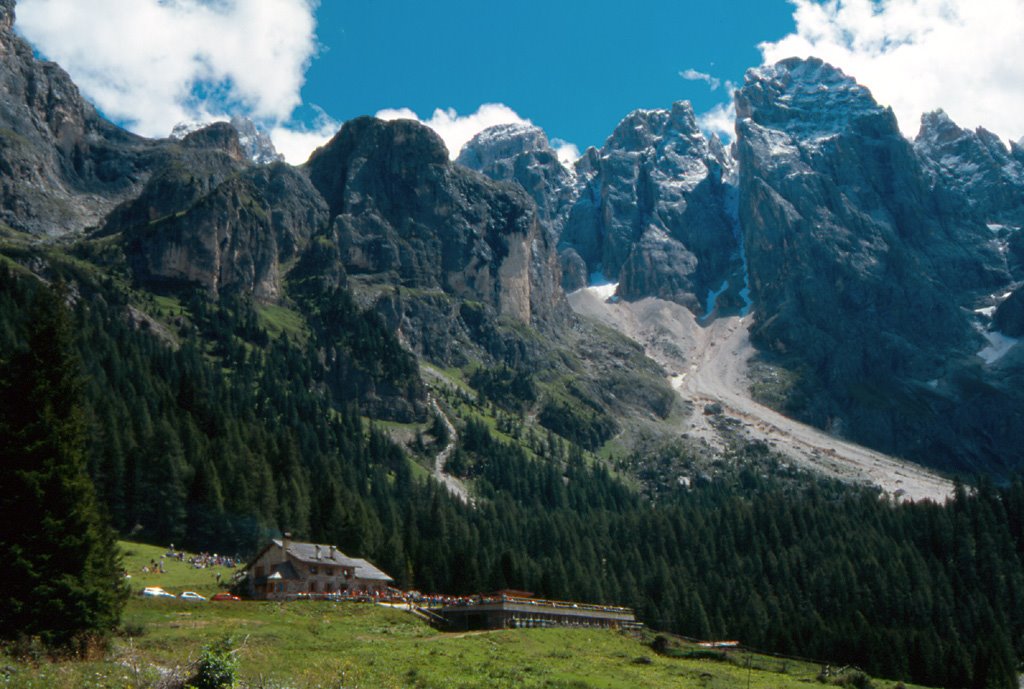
(217, 667)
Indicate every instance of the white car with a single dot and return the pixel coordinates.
(156, 592)
(191, 595)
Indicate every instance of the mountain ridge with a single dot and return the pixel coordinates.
(878, 277)
(269, 348)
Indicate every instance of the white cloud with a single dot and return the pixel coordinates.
(694, 75)
(920, 55)
(455, 129)
(297, 143)
(151, 64)
(720, 120)
(568, 153)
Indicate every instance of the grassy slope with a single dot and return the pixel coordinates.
(177, 576)
(309, 644)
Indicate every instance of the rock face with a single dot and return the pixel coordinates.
(977, 166)
(193, 169)
(400, 208)
(652, 213)
(875, 264)
(861, 270)
(982, 179)
(210, 219)
(649, 210)
(521, 153)
(1009, 316)
(62, 167)
(257, 144)
(233, 238)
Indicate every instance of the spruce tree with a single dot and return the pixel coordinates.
(61, 566)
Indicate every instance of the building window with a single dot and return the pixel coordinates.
(328, 571)
(312, 569)
(259, 571)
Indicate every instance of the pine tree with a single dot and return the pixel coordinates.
(62, 569)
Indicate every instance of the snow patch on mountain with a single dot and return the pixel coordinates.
(808, 99)
(997, 347)
(257, 144)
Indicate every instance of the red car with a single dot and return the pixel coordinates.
(223, 595)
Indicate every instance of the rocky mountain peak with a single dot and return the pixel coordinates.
(256, 143)
(64, 167)
(402, 151)
(939, 136)
(400, 207)
(521, 153)
(588, 162)
(219, 136)
(1017, 150)
(651, 211)
(682, 117)
(861, 263)
(937, 129)
(670, 137)
(642, 129)
(975, 169)
(501, 144)
(807, 98)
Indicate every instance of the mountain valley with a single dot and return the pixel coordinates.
(768, 388)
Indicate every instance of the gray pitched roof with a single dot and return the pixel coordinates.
(367, 571)
(317, 554)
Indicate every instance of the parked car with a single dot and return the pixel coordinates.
(224, 595)
(191, 595)
(156, 592)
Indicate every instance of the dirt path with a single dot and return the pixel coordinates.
(708, 365)
(455, 486)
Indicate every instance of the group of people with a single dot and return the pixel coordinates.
(377, 596)
(203, 560)
(154, 567)
(440, 601)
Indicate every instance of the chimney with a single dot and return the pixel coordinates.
(286, 541)
(318, 552)
(332, 552)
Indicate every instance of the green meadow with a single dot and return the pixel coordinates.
(335, 645)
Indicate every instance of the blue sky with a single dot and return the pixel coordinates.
(574, 67)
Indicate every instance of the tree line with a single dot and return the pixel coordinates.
(226, 437)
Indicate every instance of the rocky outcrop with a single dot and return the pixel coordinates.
(649, 210)
(521, 153)
(255, 142)
(980, 178)
(841, 230)
(403, 211)
(62, 167)
(192, 169)
(1009, 316)
(233, 238)
(652, 212)
(975, 166)
(861, 270)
